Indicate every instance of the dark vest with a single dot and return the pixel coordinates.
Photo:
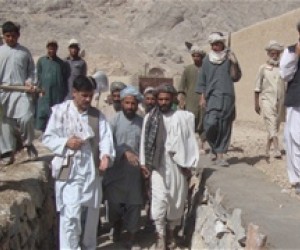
(93, 120)
(292, 96)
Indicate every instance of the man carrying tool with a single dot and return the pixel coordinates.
(16, 70)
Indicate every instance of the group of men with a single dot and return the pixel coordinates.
(93, 154)
(31, 91)
(110, 154)
(126, 150)
(211, 79)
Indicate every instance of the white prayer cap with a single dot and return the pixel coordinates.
(274, 45)
(117, 86)
(149, 89)
(73, 41)
(101, 81)
(216, 37)
(196, 50)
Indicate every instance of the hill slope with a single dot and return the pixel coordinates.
(120, 36)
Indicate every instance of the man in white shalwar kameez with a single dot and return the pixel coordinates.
(269, 96)
(82, 142)
(16, 68)
(169, 150)
(290, 72)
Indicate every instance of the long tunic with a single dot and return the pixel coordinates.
(180, 150)
(123, 182)
(289, 68)
(272, 89)
(84, 183)
(188, 85)
(217, 86)
(16, 68)
(52, 78)
(76, 67)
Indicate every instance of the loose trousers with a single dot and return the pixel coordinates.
(78, 228)
(292, 142)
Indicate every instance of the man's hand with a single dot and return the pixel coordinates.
(232, 57)
(145, 172)
(104, 163)
(186, 172)
(132, 158)
(257, 108)
(202, 101)
(298, 49)
(74, 143)
(31, 88)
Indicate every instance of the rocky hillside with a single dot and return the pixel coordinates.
(120, 36)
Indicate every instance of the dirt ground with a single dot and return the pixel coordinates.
(248, 145)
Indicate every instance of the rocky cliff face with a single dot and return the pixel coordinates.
(120, 36)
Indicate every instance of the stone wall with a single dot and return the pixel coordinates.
(208, 225)
(27, 212)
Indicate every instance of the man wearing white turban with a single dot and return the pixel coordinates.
(188, 98)
(269, 95)
(123, 182)
(215, 86)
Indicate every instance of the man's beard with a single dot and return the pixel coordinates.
(130, 114)
(165, 108)
(148, 107)
(273, 62)
(117, 105)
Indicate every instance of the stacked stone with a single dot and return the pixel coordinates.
(27, 213)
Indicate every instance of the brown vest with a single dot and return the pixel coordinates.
(94, 115)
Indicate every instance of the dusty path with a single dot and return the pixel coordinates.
(248, 145)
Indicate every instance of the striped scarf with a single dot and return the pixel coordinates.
(154, 139)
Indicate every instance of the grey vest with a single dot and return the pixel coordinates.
(292, 96)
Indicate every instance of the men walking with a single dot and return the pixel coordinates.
(123, 182)
(290, 72)
(269, 96)
(190, 99)
(82, 142)
(52, 77)
(215, 86)
(168, 150)
(16, 69)
(76, 65)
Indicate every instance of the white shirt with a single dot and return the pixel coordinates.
(84, 185)
(288, 65)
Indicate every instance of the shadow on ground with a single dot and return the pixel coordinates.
(247, 160)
